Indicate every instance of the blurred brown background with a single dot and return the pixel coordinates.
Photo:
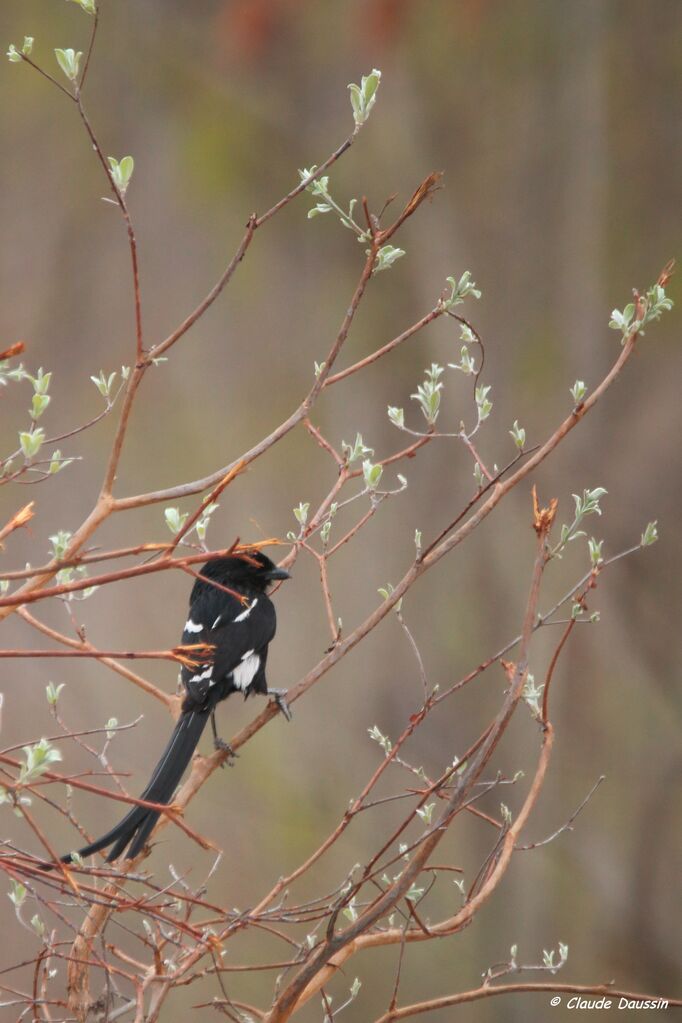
(557, 126)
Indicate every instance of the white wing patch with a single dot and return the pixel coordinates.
(244, 674)
(191, 626)
(240, 617)
(207, 673)
(245, 614)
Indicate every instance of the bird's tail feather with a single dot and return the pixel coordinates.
(133, 831)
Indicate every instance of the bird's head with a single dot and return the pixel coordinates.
(249, 570)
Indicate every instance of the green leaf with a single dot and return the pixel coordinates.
(104, 384)
(86, 5)
(121, 172)
(483, 404)
(386, 592)
(350, 912)
(460, 290)
(356, 102)
(41, 381)
(174, 520)
(18, 894)
(466, 364)
(69, 62)
(322, 207)
(578, 391)
(363, 96)
(426, 812)
(39, 757)
(39, 404)
(397, 417)
(595, 549)
(357, 450)
(57, 463)
(386, 257)
(650, 534)
(428, 394)
(372, 474)
(59, 542)
(518, 434)
(203, 523)
(31, 442)
(52, 692)
(301, 513)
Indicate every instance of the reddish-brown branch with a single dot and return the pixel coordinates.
(300, 414)
(336, 378)
(189, 655)
(204, 767)
(355, 808)
(20, 597)
(213, 496)
(132, 242)
(334, 627)
(477, 458)
(171, 702)
(50, 851)
(324, 962)
(502, 489)
(171, 810)
(335, 949)
(91, 46)
(213, 294)
(557, 653)
(314, 432)
(490, 991)
(353, 530)
(48, 77)
(89, 559)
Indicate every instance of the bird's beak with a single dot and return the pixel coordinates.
(277, 573)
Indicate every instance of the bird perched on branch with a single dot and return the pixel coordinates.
(231, 614)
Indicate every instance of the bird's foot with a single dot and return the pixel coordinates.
(279, 696)
(224, 747)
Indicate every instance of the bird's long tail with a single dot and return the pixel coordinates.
(134, 830)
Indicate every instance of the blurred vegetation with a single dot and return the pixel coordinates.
(557, 126)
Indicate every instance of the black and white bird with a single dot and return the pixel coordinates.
(230, 611)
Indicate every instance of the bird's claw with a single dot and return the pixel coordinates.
(224, 747)
(279, 696)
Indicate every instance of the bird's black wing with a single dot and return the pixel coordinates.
(238, 630)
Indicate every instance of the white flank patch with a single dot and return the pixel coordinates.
(244, 674)
(216, 621)
(191, 626)
(245, 614)
(205, 674)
